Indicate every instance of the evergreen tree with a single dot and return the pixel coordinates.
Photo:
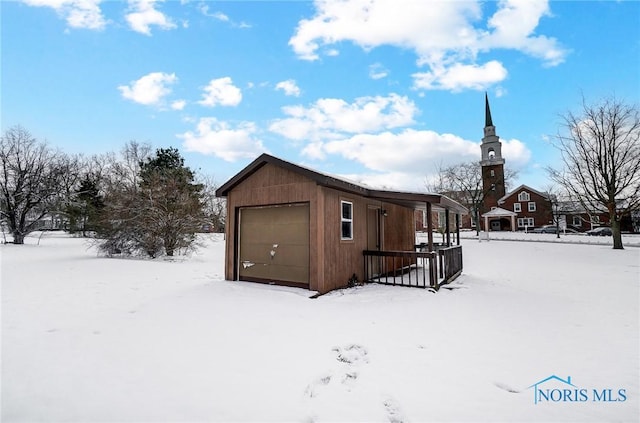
(171, 201)
(159, 210)
(85, 210)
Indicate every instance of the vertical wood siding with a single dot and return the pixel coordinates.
(270, 185)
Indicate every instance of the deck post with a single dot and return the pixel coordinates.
(447, 224)
(429, 227)
(457, 228)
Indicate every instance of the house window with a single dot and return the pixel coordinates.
(524, 196)
(347, 220)
(517, 208)
(493, 173)
(532, 206)
(525, 222)
(576, 221)
(595, 220)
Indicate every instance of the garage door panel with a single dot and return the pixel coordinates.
(290, 254)
(256, 253)
(274, 243)
(253, 270)
(295, 233)
(289, 273)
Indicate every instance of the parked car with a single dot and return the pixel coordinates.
(546, 229)
(601, 231)
(551, 229)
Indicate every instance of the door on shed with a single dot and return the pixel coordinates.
(374, 241)
(274, 244)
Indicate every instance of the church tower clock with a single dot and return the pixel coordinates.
(492, 163)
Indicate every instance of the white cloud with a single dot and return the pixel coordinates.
(446, 38)
(406, 160)
(150, 89)
(403, 160)
(408, 149)
(221, 139)
(178, 104)
(222, 92)
(362, 132)
(377, 71)
(56, 4)
(501, 91)
(289, 87)
(332, 52)
(516, 153)
(143, 14)
(514, 25)
(460, 77)
(402, 181)
(204, 9)
(329, 117)
(78, 13)
(422, 27)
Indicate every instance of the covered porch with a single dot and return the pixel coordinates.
(499, 219)
(430, 264)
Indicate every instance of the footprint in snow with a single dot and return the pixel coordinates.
(312, 389)
(394, 413)
(353, 354)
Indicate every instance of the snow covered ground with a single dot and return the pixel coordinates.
(93, 339)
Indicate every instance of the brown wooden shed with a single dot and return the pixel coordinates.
(290, 225)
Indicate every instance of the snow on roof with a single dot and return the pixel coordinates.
(499, 212)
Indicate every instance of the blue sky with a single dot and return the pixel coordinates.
(381, 91)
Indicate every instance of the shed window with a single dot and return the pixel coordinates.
(347, 220)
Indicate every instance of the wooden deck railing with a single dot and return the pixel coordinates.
(450, 263)
(413, 268)
(404, 268)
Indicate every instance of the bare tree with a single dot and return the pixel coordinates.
(463, 183)
(29, 181)
(70, 169)
(600, 150)
(214, 207)
(123, 171)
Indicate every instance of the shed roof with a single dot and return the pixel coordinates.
(413, 200)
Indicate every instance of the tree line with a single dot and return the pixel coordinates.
(136, 202)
